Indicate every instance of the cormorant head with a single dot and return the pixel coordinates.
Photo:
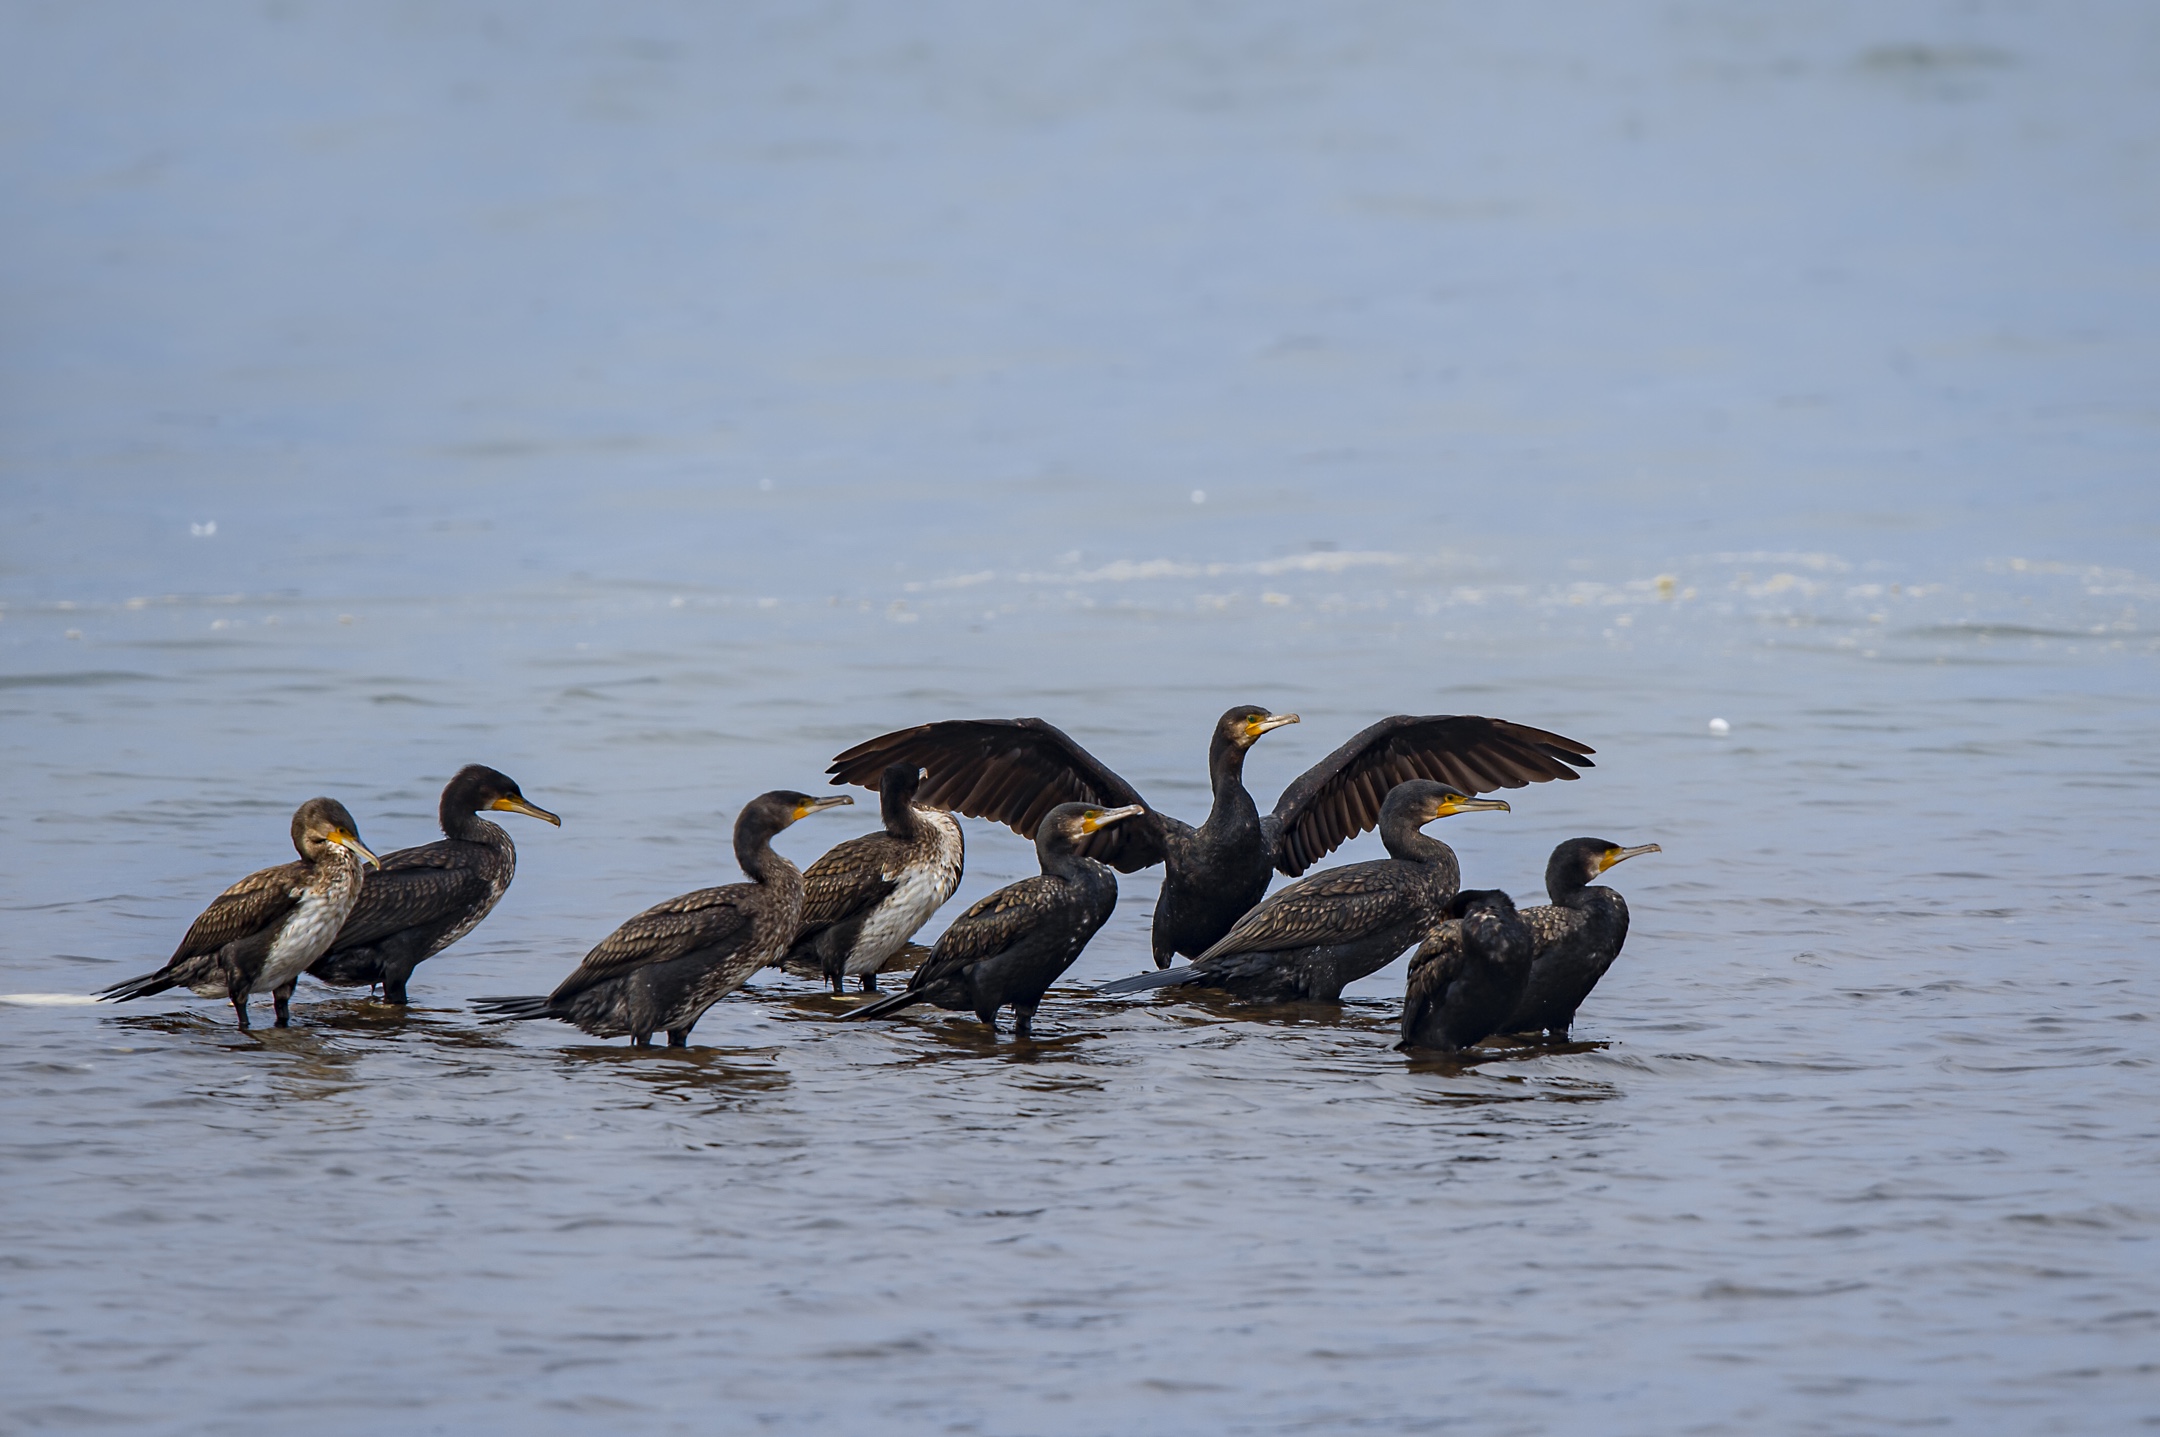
(1577, 861)
(1242, 726)
(1066, 825)
(477, 787)
(1421, 800)
(323, 823)
(900, 780)
(1460, 905)
(768, 813)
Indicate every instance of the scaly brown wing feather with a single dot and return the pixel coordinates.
(847, 880)
(1332, 906)
(708, 918)
(1437, 963)
(249, 906)
(1013, 771)
(987, 929)
(1339, 797)
(413, 886)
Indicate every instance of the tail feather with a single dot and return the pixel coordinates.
(1165, 978)
(142, 987)
(515, 1010)
(905, 998)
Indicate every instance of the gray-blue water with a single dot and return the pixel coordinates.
(652, 400)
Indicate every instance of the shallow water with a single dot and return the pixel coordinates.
(654, 406)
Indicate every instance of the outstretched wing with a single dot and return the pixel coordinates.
(249, 906)
(1339, 797)
(1335, 905)
(708, 918)
(1013, 771)
(403, 895)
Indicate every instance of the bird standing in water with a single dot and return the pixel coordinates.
(1329, 929)
(1017, 770)
(661, 970)
(864, 899)
(260, 933)
(421, 900)
(1578, 934)
(1009, 948)
(1468, 975)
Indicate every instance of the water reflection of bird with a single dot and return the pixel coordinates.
(260, 933)
(1009, 948)
(1578, 934)
(1331, 928)
(1468, 975)
(665, 967)
(422, 900)
(1016, 770)
(863, 900)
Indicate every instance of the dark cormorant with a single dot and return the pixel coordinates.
(421, 900)
(1333, 927)
(1016, 770)
(665, 967)
(1467, 976)
(869, 895)
(1578, 934)
(1010, 947)
(261, 932)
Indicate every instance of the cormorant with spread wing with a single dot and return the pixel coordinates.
(1016, 770)
(1009, 948)
(1468, 975)
(1578, 934)
(422, 900)
(863, 900)
(665, 967)
(1331, 928)
(259, 933)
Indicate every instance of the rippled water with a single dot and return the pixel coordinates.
(653, 405)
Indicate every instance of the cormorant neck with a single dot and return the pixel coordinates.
(460, 821)
(1410, 843)
(898, 811)
(1059, 859)
(754, 851)
(1226, 775)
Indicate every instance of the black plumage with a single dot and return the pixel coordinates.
(1578, 934)
(1009, 948)
(868, 896)
(661, 970)
(1468, 975)
(422, 900)
(1310, 940)
(1015, 770)
(260, 933)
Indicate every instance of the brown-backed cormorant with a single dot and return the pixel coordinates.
(863, 900)
(1467, 976)
(1332, 928)
(261, 932)
(665, 967)
(1009, 948)
(1578, 934)
(421, 900)
(1016, 770)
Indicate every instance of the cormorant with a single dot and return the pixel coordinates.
(1578, 934)
(1016, 770)
(421, 900)
(261, 932)
(869, 895)
(1467, 976)
(1332, 928)
(1010, 947)
(665, 967)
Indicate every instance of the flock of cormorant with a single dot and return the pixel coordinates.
(1482, 966)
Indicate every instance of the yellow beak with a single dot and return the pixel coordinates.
(514, 804)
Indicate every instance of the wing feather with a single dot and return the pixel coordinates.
(249, 906)
(1339, 797)
(708, 918)
(1012, 771)
(1332, 906)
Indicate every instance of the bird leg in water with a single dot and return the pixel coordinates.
(393, 991)
(1023, 1022)
(868, 982)
(678, 1037)
(239, 1004)
(641, 1040)
(282, 996)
